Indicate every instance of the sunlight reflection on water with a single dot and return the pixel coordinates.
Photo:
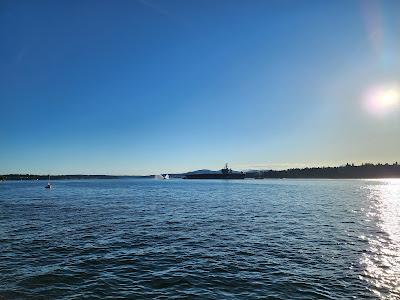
(382, 260)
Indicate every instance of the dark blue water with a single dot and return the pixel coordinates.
(176, 239)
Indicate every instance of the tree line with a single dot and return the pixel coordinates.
(366, 170)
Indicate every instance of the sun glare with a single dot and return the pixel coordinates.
(383, 99)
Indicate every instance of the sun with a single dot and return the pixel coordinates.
(383, 99)
(389, 97)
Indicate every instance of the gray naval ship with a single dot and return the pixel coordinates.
(225, 173)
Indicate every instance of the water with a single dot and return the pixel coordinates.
(149, 239)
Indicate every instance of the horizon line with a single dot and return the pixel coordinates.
(241, 170)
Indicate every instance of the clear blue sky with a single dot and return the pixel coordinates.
(138, 87)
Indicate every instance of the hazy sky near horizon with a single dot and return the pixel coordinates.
(139, 87)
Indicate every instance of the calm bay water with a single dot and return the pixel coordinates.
(252, 239)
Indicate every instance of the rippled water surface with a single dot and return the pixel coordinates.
(251, 239)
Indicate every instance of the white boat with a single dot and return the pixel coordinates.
(166, 176)
(48, 186)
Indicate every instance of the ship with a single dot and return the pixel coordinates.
(225, 173)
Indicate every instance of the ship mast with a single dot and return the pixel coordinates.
(226, 170)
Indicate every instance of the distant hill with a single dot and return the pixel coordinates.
(202, 171)
(198, 172)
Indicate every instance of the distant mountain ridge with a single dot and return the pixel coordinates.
(199, 172)
(202, 171)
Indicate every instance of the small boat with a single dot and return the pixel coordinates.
(161, 176)
(48, 186)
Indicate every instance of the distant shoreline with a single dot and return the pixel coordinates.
(349, 171)
(17, 177)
